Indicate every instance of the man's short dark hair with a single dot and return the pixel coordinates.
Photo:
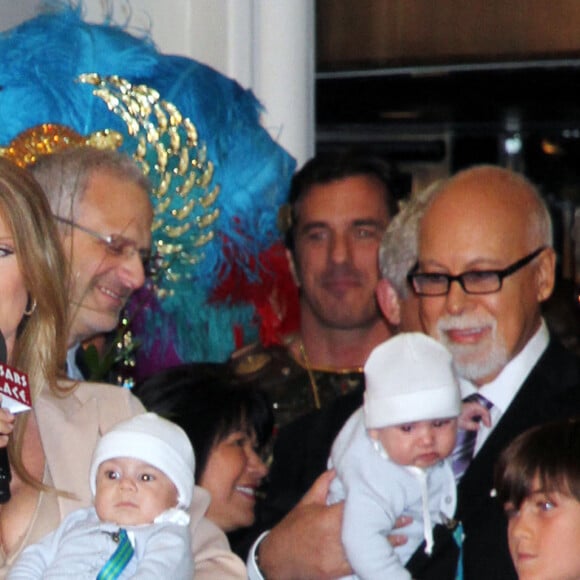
(327, 167)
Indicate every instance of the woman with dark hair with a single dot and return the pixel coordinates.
(229, 426)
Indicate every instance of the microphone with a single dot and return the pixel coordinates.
(15, 393)
(5, 473)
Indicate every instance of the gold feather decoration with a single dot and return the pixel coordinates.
(168, 149)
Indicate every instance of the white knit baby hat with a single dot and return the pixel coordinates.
(156, 441)
(409, 377)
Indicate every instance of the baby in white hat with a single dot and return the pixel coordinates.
(142, 480)
(391, 456)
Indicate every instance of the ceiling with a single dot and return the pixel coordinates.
(469, 113)
(542, 95)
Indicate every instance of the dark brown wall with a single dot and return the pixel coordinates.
(371, 32)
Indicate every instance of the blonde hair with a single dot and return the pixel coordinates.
(40, 346)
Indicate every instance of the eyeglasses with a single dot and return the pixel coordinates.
(119, 246)
(472, 282)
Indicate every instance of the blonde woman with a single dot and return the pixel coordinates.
(50, 447)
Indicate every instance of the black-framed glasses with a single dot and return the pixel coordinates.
(472, 282)
(118, 246)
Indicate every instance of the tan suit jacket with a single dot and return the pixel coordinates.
(70, 428)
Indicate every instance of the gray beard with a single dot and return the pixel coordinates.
(474, 368)
(474, 362)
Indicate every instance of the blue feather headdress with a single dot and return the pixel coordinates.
(218, 176)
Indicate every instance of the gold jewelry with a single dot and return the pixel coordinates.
(31, 144)
(305, 361)
(29, 311)
(311, 377)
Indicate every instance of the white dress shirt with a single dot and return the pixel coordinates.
(72, 370)
(502, 390)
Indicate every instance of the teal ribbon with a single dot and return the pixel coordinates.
(120, 558)
(458, 537)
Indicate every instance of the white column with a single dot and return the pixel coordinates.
(270, 49)
(283, 56)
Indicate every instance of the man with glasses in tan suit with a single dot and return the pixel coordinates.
(100, 199)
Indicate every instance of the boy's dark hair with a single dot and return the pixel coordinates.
(548, 452)
(327, 167)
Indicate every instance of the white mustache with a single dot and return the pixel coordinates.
(465, 322)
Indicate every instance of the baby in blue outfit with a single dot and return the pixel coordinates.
(142, 479)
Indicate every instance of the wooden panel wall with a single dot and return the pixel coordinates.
(370, 32)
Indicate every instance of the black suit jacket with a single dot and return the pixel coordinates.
(301, 454)
(551, 391)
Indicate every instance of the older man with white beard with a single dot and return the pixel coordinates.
(485, 265)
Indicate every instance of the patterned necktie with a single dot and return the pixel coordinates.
(465, 444)
(120, 558)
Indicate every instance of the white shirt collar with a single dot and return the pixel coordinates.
(72, 369)
(502, 390)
